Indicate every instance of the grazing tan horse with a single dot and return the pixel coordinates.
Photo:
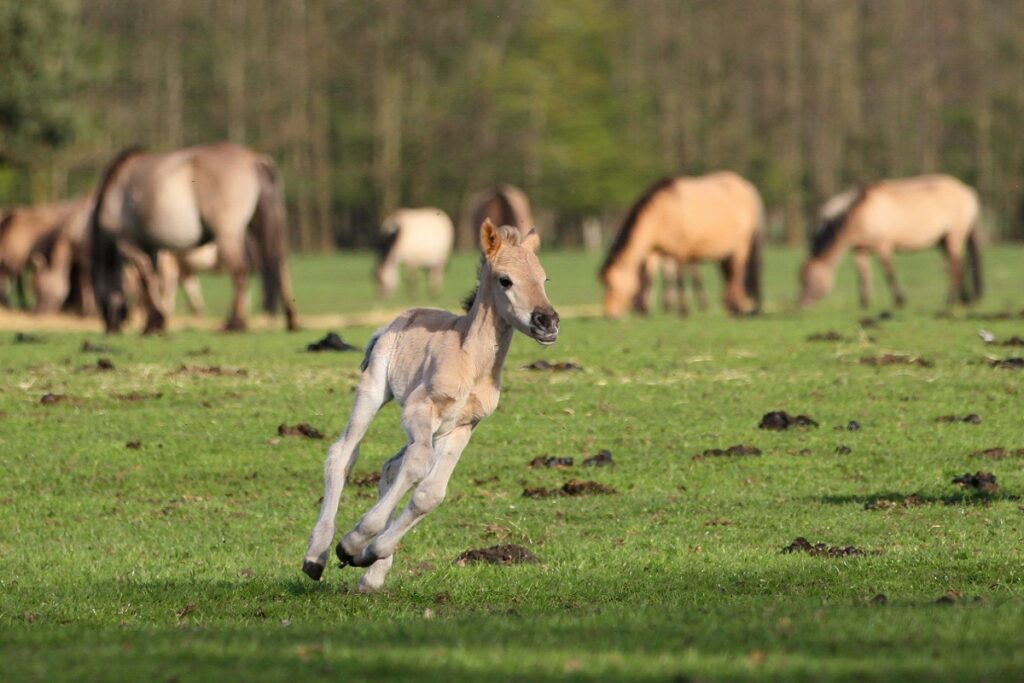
(415, 238)
(716, 217)
(181, 200)
(673, 286)
(41, 237)
(503, 205)
(445, 371)
(896, 215)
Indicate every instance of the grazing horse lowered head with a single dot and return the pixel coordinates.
(716, 217)
(445, 372)
(223, 193)
(414, 238)
(896, 215)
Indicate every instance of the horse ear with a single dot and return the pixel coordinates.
(532, 240)
(490, 239)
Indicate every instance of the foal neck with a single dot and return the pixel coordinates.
(487, 337)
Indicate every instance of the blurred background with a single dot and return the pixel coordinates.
(367, 106)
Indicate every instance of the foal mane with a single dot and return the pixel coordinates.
(626, 231)
(832, 225)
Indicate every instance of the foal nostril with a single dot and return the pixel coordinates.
(544, 320)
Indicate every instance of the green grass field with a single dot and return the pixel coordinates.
(179, 560)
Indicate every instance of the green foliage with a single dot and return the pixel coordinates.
(180, 559)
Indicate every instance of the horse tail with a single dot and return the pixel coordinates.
(270, 230)
(752, 278)
(973, 263)
(107, 261)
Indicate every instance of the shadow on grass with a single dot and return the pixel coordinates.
(911, 500)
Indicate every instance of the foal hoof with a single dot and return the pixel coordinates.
(344, 557)
(313, 570)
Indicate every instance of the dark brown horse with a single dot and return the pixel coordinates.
(502, 205)
(181, 200)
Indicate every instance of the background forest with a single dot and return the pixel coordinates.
(367, 106)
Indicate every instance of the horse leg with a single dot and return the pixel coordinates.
(374, 577)
(735, 294)
(862, 257)
(411, 276)
(418, 420)
(435, 279)
(149, 283)
(232, 255)
(885, 258)
(427, 496)
(19, 286)
(698, 287)
(371, 394)
(672, 293)
(642, 299)
(193, 293)
(169, 270)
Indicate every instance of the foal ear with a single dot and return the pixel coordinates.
(532, 240)
(490, 239)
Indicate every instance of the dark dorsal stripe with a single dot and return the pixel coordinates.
(830, 228)
(626, 232)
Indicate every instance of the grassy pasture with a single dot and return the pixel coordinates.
(179, 559)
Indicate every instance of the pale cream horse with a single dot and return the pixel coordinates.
(445, 370)
(416, 239)
(896, 215)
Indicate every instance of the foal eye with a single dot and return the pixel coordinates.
(505, 281)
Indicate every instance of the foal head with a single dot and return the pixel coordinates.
(513, 279)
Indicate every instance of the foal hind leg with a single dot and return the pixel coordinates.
(418, 420)
(149, 284)
(427, 496)
(374, 577)
(435, 280)
(341, 456)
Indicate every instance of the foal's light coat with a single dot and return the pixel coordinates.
(445, 370)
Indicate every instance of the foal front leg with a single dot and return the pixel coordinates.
(427, 496)
(418, 420)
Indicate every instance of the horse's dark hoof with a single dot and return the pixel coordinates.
(313, 570)
(234, 325)
(344, 557)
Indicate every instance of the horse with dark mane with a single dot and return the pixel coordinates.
(908, 214)
(718, 217)
(502, 204)
(222, 194)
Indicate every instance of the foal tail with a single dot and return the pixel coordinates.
(270, 231)
(752, 278)
(107, 263)
(973, 264)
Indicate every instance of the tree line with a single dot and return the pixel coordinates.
(368, 106)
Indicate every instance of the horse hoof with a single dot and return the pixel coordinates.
(313, 570)
(344, 557)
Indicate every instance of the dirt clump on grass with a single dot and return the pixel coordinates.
(985, 482)
(830, 336)
(331, 342)
(970, 418)
(896, 359)
(134, 444)
(507, 554)
(953, 597)
(302, 429)
(365, 480)
(550, 462)
(136, 396)
(999, 453)
(573, 487)
(739, 450)
(89, 347)
(1008, 363)
(802, 545)
(843, 449)
(26, 338)
(211, 371)
(53, 399)
(602, 459)
(560, 366)
(778, 420)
